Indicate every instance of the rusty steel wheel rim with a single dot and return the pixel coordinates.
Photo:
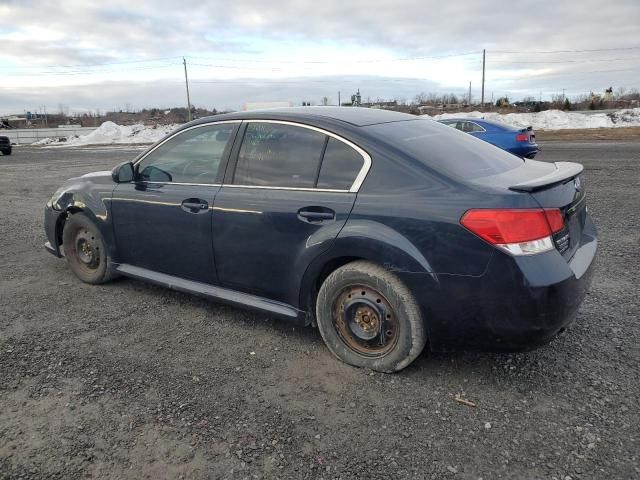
(86, 250)
(365, 321)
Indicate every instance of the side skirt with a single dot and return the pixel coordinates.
(217, 293)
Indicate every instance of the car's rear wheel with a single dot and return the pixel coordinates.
(85, 250)
(369, 318)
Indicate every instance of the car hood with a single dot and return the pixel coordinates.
(105, 173)
(84, 181)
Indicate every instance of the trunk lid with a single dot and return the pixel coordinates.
(529, 133)
(552, 185)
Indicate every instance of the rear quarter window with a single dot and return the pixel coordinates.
(340, 166)
(446, 150)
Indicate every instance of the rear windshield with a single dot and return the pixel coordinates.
(446, 149)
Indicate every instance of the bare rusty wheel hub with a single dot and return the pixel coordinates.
(365, 321)
(368, 321)
(86, 250)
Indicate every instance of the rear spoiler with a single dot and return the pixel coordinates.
(528, 129)
(564, 171)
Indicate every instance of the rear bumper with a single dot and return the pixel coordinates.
(528, 150)
(519, 303)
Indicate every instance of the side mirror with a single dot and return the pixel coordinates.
(123, 173)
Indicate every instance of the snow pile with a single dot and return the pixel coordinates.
(112, 133)
(51, 141)
(557, 119)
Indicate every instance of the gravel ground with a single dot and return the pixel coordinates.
(129, 380)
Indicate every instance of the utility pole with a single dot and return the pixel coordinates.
(483, 58)
(469, 93)
(186, 81)
(339, 104)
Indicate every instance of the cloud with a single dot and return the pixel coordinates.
(275, 38)
(220, 94)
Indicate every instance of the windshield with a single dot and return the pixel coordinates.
(446, 149)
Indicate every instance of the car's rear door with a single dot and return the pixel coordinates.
(163, 220)
(287, 193)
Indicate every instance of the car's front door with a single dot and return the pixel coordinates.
(163, 219)
(285, 201)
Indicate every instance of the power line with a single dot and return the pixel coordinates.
(80, 65)
(248, 60)
(87, 72)
(566, 61)
(324, 62)
(534, 77)
(80, 69)
(566, 51)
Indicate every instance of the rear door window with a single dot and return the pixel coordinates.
(471, 127)
(279, 155)
(340, 166)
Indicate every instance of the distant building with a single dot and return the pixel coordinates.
(382, 105)
(14, 121)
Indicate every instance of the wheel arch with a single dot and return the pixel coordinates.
(62, 220)
(72, 202)
(364, 240)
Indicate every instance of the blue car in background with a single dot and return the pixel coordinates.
(519, 141)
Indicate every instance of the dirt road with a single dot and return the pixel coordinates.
(134, 381)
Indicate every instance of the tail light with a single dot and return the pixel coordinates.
(522, 137)
(516, 231)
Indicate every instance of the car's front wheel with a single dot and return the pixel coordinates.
(85, 250)
(369, 318)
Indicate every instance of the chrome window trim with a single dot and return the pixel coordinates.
(147, 182)
(301, 189)
(264, 187)
(357, 183)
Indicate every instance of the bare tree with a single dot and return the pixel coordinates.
(422, 98)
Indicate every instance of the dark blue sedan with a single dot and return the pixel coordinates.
(387, 231)
(519, 141)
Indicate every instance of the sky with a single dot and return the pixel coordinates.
(87, 56)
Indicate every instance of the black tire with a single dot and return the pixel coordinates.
(6, 152)
(361, 299)
(85, 250)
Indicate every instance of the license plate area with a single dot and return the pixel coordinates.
(567, 239)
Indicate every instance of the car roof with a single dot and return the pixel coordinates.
(356, 116)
